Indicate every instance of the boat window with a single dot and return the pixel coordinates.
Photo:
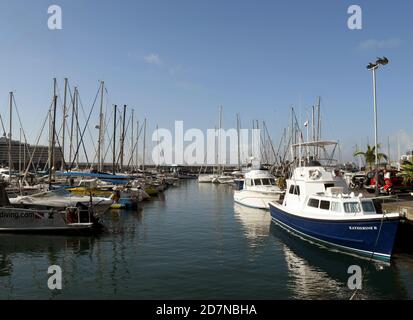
(291, 189)
(325, 205)
(313, 203)
(368, 206)
(328, 185)
(297, 190)
(335, 206)
(352, 207)
(266, 182)
(257, 182)
(272, 181)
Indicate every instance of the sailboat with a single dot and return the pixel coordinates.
(60, 199)
(28, 218)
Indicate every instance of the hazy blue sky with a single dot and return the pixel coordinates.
(180, 60)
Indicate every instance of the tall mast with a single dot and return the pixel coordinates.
(132, 140)
(239, 142)
(312, 124)
(219, 140)
(53, 141)
(114, 141)
(144, 145)
(64, 125)
(137, 145)
(53, 134)
(318, 120)
(100, 140)
(313, 127)
(122, 146)
(20, 151)
(292, 134)
(71, 127)
(10, 134)
(24, 155)
(77, 128)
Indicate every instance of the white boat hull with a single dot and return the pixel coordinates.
(255, 199)
(206, 178)
(27, 220)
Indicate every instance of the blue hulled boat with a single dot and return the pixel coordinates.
(318, 206)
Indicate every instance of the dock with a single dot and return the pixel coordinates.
(403, 207)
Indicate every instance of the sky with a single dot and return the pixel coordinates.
(181, 60)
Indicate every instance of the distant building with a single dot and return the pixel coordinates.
(21, 154)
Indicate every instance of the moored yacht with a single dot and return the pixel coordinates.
(20, 218)
(318, 206)
(259, 189)
(207, 178)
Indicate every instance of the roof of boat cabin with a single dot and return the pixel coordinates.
(258, 174)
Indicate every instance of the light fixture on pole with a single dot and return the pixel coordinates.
(373, 67)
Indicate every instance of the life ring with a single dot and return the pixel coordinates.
(315, 174)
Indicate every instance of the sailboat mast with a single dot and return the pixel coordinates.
(10, 134)
(123, 137)
(318, 121)
(132, 138)
(137, 145)
(100, 139)
(20, 151)
(144, 145)
(114, 140)
(219, 141)
(64, 125)
(52, 154)
(77, 127)
(239, 142)
(71, 127)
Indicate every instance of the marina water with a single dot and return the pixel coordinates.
(191, 242)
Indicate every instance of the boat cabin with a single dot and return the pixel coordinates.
(259, 179)
(334, 201)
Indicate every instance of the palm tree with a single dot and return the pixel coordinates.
(370, 155)
(407, 171)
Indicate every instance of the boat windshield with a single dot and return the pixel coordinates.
(257, 182)
(352, 207)
(368, 206)
(268, 182)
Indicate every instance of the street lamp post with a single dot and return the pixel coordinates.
(373, 67)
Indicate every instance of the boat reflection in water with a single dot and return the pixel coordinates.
(322, 273)
(17, 250)
(256, 223)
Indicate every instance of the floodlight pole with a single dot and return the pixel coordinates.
(376, 187)
(373, 67)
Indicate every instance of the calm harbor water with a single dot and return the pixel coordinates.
(191, 243)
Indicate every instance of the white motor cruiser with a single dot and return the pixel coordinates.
(259, 190)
